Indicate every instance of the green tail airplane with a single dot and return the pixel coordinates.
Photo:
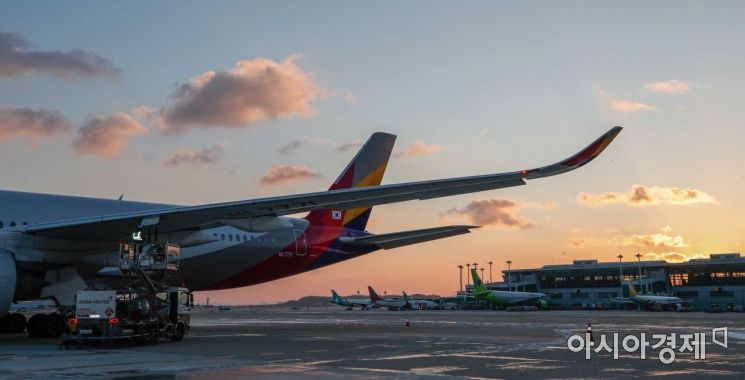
(504, 298)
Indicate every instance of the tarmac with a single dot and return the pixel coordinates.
(335, 343)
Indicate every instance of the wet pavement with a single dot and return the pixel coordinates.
(336, 343)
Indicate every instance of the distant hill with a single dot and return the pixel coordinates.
(308, 301)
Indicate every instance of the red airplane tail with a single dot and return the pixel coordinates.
(365, 169)
(374, 297)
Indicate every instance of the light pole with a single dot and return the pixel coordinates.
(620, 270)
(509, 275)
(490, 279)
(482, 273)
(475, 266)
(639, 260)
(468, 274)
(461, 277)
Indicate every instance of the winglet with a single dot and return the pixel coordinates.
(576, 161)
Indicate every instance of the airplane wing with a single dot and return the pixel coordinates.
(400, 239)
(113, 227)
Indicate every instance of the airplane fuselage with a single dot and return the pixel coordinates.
(216, 256)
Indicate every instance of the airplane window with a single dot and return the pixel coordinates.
(1, 224)
(230, 237)
(222, 236)
(245, 238)
(24, 223)
(215, 235)
(12, 224)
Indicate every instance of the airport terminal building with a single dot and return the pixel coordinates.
(719, 280)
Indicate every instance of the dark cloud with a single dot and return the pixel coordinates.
(30, 124)
(252, 91)
(349, 146)
(279, 174)
(299, 143)
(494, 212)
(16, 59)
(194, 157)
(107, 136)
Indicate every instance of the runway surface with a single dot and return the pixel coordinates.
(336, 343)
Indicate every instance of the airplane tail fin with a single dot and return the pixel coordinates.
(632, 289)
(335, 296)
(374, 297)
(478, 285)
(406, 296)
(365, 169)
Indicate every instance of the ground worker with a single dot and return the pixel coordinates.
(589, 332)
(408, 324)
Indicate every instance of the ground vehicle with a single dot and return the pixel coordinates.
(133, 315)
(141, 312)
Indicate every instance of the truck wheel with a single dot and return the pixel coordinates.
(35, 325)
(54, 326)
(178, 333)
(16, 323)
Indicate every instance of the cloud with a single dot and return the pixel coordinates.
(419, 149)
(640, 195)
(252, 91)
(670, 87)
(496, 212)
(16, 59)
(31, 124)
(673, 257)
(631, 106)
(349, 146)
(658, 240)
(299, 143)
(194, 157)
(107, 136)
(654, 242)
(279, 174)
(577, 242)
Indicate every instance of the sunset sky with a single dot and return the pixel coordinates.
(190, 103)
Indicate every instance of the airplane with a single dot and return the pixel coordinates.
(651, 301)
(421, 303)
(350, 303)
(55, 245)
(389, 303)
(504, 298)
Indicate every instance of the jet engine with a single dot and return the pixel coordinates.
(7, 280)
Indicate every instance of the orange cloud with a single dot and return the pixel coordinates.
(16, 59)
(673, 257)
(640, 195)
(30, 124)
(252, 91)
(631, 106)
(194, 157)
(419, 149)
(107, 136)
(496, 212)
(662, 241)
(279, 174)
(671, 86)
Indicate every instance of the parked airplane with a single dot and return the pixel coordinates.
(421, 303)
(389, 303)
(650, 300)
(54, 245)
(504, 298)
(350, 303)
